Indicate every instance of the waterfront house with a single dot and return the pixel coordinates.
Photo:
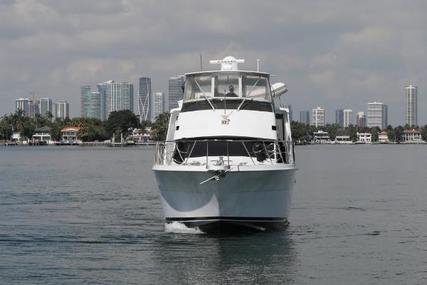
(16, 136)
(343, 140)
(383, 137)
(41, 136)
(321, 137)
(412, 136)
(139, 136)
(70, 135)
(364, 137)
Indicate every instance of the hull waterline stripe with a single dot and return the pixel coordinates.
(258, 219)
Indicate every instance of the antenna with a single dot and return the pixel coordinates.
(257, 64)
(201, 62)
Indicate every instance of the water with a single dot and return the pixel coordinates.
(76, 215)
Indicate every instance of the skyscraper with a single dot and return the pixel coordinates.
(118, 96)
(62, 110)
(377, 115)
(361, 119)
(175, 92)
(347, 117)
(339, 117)
(304, 117)
(144, 99)
(318, 117)
(90, 103)
(45, 106)
(102, 89)
(158, 104)
(23, 104)
(33, 106)
(411, 105)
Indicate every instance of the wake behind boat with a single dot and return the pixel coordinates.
(228, 158)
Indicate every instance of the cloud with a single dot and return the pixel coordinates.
(334, 53)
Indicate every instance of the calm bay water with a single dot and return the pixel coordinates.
(92, 216)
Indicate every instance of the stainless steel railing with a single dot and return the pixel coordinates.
(213, 152)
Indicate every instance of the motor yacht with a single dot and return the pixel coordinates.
(228, 159)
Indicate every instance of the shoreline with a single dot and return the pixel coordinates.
(151, 144)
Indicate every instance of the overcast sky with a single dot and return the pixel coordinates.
(335, 54)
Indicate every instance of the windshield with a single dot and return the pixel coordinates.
(233, 85)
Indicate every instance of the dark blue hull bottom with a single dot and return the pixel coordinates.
(232, 224)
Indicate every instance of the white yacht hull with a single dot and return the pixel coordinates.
(249, 197)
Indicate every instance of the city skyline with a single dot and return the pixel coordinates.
(44, 107)
(343, 117)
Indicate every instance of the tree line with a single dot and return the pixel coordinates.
(120, 122)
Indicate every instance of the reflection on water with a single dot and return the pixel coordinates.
(258, 258)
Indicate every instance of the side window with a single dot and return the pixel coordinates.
(198, 87)
(256, 87)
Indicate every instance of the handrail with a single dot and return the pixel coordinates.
(262, 151)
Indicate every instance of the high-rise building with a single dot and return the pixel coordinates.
(27, 105)
(318, 117)
(339, 117)
(158, 104)
(347, 117)
(377, 115)
(45, 106)
(118, 96)
(361, 119)
(411, 105)
(304, 117)
(34, 107)
(90, 103)
(62, 110)
(145, 99)
(175, 92)
(23, 104)
(102, 89)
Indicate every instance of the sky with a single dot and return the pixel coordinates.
(334, 54)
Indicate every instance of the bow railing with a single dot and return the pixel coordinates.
(224, 152)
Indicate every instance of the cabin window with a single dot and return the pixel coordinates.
(198, 87)
(228, 86)
(260, 150)
(256, 87)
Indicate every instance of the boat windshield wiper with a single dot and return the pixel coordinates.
(253, 87)
(243, 102)
(204, 95)
(209, 101)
